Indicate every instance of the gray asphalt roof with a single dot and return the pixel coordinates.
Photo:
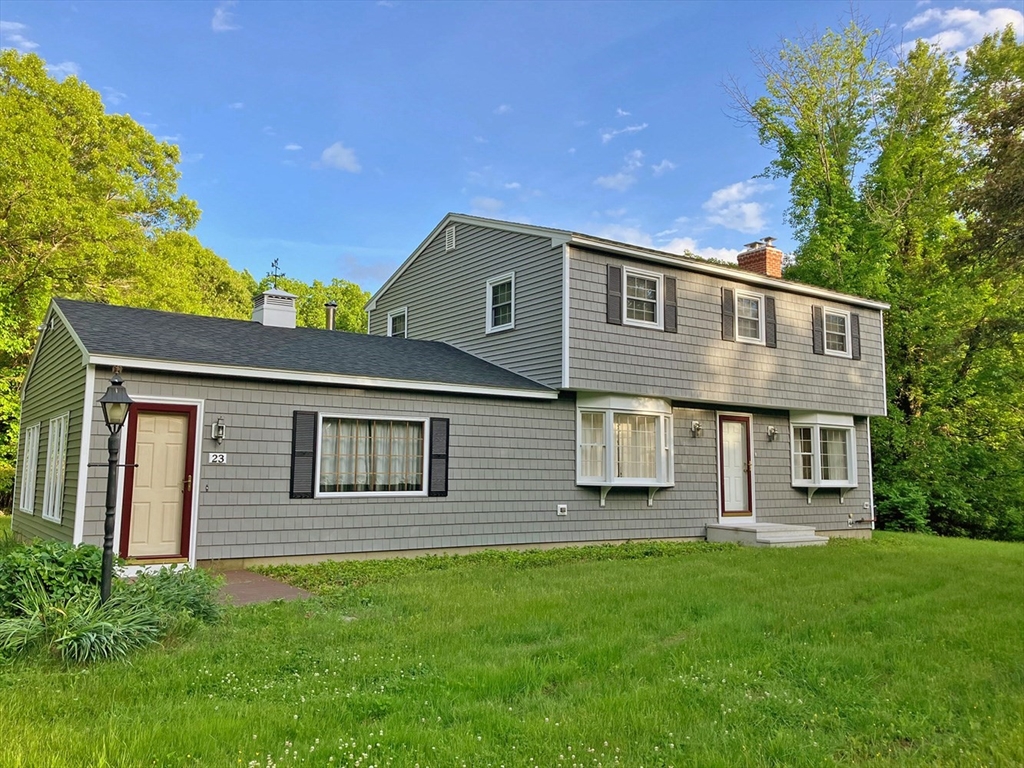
(145, 333)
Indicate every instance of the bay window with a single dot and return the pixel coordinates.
(824, 452)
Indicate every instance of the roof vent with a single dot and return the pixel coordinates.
(275, 307)
(449, 238)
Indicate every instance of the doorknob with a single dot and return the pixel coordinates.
(747, 468)
(187, 484)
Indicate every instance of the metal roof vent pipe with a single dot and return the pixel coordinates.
(332, 308)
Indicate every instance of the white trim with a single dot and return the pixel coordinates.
(719, 479)
(885, 375)
(664, 447)
(816, 422)
(356, 382)
(659, 301)
(871, 474)
(56, 474)
(83, 458)
(27, 468)
(47, 319)
(508, 277)
(404, 312)
(728, 273)
(566, 267)
(318, 494)
(141, 402)
(847, 341)
(740, 293)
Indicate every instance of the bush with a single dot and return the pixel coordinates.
(61, 570)
(178, 592)
(902, 506)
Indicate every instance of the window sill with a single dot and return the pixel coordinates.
(843, 355)
(756, 342)
(652, 486)
(642, 324)
(367, 494)
(500, 328)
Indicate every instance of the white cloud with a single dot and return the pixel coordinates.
(680, 245)
(665, 233)
(502, 109)
(687, 245)
(488, 205)
(113, 96)
(223, 17)
(616, 213)
(663, 167)
(341, 157)
(960, 28)
(479, 139)
(620, 112)
(626, 177)
(608, 135)
(292, 147)
(12, 33)
(513, 185)
(63, 69)
(169, 139)
(236, 105)
(730, 207)
(572, 150)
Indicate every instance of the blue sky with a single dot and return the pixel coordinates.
(335, 136)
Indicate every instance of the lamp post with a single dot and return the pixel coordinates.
(115, 402)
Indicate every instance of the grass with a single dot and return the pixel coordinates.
(905, 650)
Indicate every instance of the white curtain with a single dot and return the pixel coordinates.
(362, 455)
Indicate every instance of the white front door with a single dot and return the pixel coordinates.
(734, 439)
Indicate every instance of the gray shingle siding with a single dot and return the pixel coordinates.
(446, 294)
(696, 364)
(56, 386)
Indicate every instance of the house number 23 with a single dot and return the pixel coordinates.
(218, 458)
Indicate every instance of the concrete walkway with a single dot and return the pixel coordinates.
(245, 588)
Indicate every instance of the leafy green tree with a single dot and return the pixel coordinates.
(309, 307)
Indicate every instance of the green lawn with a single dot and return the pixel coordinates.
(905, 650)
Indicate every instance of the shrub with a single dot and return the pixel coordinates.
(61, 570)
(902, 506)
(178, 592)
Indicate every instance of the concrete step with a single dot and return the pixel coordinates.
(765, 535)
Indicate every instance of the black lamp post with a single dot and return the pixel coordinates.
(115, 402)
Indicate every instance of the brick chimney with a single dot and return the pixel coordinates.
(761, 257)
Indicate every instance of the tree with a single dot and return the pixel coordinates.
(892, 198)
(309, 306)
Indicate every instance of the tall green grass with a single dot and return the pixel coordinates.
(906, 650)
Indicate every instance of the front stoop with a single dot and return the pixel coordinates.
(766, 535)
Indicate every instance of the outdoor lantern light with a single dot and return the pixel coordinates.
(696, 429)
(115, 402)
(772, 433)
(217, 430)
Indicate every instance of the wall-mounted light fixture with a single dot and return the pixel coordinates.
(217, 430)
(772, 433)
(696, 430)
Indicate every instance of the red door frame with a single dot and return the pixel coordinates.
(192, 412)
(749, 511)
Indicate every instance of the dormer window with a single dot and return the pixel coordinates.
(501, 303)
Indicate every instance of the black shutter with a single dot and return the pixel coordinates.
(438, 483)
(614, 294)
(770, 339)
(855, 336)
(303, 454)
(728, 315)
(818, 330)
(671, 312)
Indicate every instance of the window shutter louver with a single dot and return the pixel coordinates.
(818, 330)
(671, 310)
(438, 483)
(303, 454)
(728, 314)
(770, 335)
(614, 295)
(855, 336)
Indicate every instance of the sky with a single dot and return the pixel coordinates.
(334, 136)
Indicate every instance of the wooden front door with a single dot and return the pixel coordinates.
(157, 508)
(734, 458)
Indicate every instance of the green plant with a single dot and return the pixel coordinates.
(902, 506)
(178, 593)
(79, 629)
(61, 570)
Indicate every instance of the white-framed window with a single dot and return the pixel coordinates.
(642, 294)
(501, 303)
(623, 441)
(449, 238)
(749, 317)
(56, 463)
(837, 333)
(824, 450)
(369, 456)
(398, 323)
(28, 468)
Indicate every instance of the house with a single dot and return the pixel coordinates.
(519, 386)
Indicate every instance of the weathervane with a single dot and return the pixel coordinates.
(276, 272)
